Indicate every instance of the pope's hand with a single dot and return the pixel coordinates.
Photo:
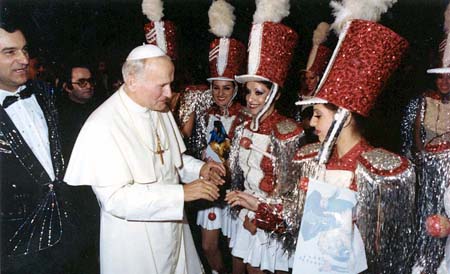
(213, 172)
(200, 189)
(239, 198)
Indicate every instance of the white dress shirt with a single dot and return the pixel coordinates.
(29, 119)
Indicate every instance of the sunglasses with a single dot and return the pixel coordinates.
(82, 82)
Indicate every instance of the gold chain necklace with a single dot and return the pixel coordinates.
(159, 148)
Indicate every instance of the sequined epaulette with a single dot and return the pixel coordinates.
(383, 162)
(287, 128)
(307, 151)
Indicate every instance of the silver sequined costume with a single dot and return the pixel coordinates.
(385, 210)
(432, 118)
(195, 100)
(262, 176)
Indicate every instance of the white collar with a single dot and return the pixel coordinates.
(130, 104)
(4, 93)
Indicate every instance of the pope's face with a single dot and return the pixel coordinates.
(443, 83)
(322, 120)
(152, 88)
(14, 60)
(222, 92)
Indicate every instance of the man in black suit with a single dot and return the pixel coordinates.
(74, 106)
(36, 224)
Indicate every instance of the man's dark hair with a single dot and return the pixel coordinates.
(6, 21)
(68, 72)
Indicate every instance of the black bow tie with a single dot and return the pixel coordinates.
(9, 100)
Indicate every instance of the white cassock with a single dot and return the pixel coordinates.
(141, 200)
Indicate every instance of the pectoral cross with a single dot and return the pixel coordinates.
(159, 149)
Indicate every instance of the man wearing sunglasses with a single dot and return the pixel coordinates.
(79, 84)
(75, 105)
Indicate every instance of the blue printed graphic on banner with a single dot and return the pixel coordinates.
(328, 240)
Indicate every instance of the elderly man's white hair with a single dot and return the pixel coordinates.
(135, 61)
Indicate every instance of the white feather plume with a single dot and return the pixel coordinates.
(446, 56)
(447, 19)
(221, 18)
(270, 10)
(444, 46)
(346, 10)
(320, 33)
(153, 9)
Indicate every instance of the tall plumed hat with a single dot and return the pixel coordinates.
(366, 55)
(226, 55)
(271, 44)
(444, 47)
(319, 55)
(161, 33)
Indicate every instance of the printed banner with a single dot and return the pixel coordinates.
(328, 241)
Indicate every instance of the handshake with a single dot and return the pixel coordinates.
(206, 187)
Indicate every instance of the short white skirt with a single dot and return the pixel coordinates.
(206, 223)
(259, 250)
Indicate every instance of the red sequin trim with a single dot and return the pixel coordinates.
(438, 147)
(433, 94)
(267, 183)
(269, 217)
(349, 160)
(303, 183)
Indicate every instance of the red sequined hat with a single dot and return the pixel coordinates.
(226, 59)
(320, 60)
(319, 55)
(162, 34)
(271, 48)
(366, 55)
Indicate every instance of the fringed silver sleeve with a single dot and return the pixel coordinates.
(293, 200)
(385, 218)
(434, 177)
(284, 151)
(237, 175)
(407, 127)
(197, 102)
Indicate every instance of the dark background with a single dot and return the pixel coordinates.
(92, 30)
